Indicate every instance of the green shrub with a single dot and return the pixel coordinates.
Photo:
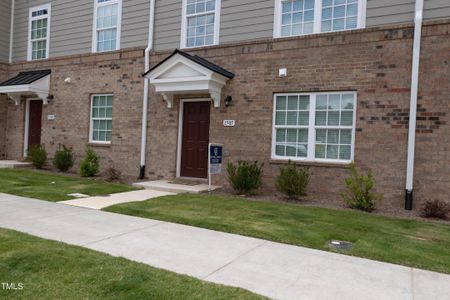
(359, 193)
(246, 177)
(90, 165)
(293, 181)
(63, 159)
(37, 155)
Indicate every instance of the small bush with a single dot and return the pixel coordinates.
(359, 193)
(436, 209)
(63, 159)
(246, 177)
(293, 181)
(90, 165)
(37, 155)
(112, 174)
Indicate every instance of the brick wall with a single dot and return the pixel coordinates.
(119, 73)
(3, 107)
(374, 62)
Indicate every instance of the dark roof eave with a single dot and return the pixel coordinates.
(197, 59)
(27, 77)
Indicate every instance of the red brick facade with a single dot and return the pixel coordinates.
(376, 63)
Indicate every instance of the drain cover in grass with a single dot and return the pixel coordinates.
(340, 245)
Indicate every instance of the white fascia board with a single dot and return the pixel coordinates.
(40, 87)
(173, 61)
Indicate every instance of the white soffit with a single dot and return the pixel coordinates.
(182, 75)
(39, 88)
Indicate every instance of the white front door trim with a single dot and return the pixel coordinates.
(180, 129)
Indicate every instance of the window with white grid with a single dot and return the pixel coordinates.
(314, 127)
(101, 118)
(107, 20)
(339, 15)
(299, 17)
(39, 31)
(200, 23)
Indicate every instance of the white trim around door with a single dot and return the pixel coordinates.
(180, 130)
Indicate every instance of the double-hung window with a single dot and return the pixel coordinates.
(39, 32)
(101, 119)
(299, 17)
(201, 19)
(314, 127)
(107, 25)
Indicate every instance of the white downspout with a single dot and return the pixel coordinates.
(11, 32)
(413, 106)
(146, 87)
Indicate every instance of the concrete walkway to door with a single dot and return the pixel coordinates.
(275, 270)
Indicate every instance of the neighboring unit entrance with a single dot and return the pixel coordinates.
(195, 139)
(34, 123)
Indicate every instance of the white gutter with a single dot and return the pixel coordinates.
(413, 106)
(146, 87)
(11, 31)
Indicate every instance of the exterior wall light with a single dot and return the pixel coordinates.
(228, 101)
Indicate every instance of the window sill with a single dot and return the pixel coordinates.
(311, 163)
(103, 145)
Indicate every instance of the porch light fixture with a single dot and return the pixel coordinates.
(228, 101)
(49, 99)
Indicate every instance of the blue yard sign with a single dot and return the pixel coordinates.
(214, 160)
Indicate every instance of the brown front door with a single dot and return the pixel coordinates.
(35, 123)
(194, 152)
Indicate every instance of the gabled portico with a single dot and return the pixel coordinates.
(34, 84)
(182, 73)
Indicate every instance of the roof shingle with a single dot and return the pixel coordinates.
(26, 77)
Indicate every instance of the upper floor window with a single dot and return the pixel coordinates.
(298, 17)
(39, 32)
(314, 127)
(107, 25)
(201, 19)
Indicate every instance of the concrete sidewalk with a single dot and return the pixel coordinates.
(275, 270)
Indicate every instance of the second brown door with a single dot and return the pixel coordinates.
(194, 152)
(35, 123)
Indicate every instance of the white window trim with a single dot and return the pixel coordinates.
(362, 10)
(30, 20)
(119, 24)
(183, 40)
(91, 121)
(312, 130)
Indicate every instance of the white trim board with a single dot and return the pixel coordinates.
(180, 130)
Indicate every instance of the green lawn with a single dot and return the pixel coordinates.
(52, 270)
(406, 242)
(45, 186)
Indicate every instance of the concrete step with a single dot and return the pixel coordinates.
(13, 164)
(171, 187)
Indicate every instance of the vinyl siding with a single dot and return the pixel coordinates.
(71, 26)
(437, 9)
(167, 24)
(5, 24)
(250, 19)
(71, 22)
